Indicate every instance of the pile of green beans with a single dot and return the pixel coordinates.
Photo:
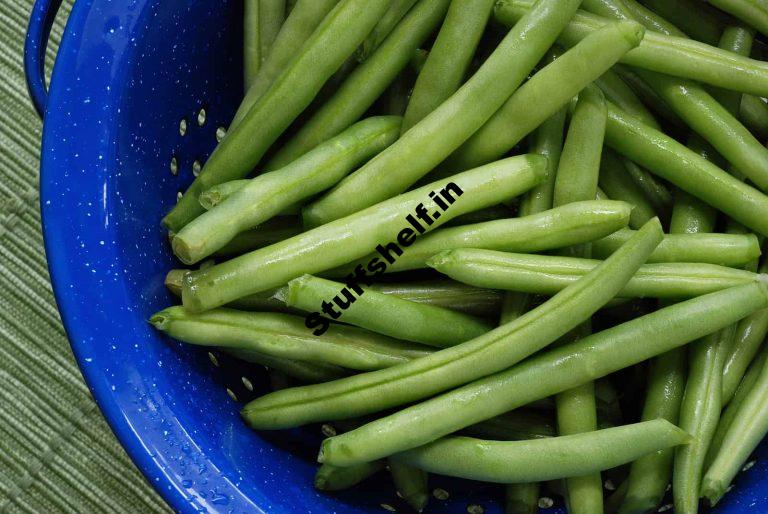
(509, 241)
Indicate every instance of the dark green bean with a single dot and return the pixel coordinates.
(656, 192)
(697, 19)
(752, 12)
(398, 9)
(618, 92)
(333, 478)
(268, 233)
(251, 41)
(618, 184)
(308, 372)
(754, 114)
(410, 483)
(521, 498)
(547, 140)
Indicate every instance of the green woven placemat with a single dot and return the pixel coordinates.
(57, 453)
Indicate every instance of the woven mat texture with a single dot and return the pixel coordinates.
(57, 453)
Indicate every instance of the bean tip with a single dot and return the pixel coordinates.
(712, 491)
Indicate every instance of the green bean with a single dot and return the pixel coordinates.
(268, 233)
(618, 92)
(747, 429)
(650, 475)
(352, 237)
(723, 249)
(697, 19)
(267, 195)
(547, 275)
(444, 129)
(618, 184)
(650, 19)
(580, 222)
(754, 113)
(380, 313)
(333, 478)
(548, 373)
(649, 97)
(543, 459)
(448, 59)
(738, 40)
(752, 12)
(298, 27)
(665, 157)
(247, 141)
(750, 334)
(657, 194)
(670, 55)
(285, 336)
(398, 9)
(251, 41)
(308, 372)
(410, 483)
(517, 425)
(365, 84)
(547, 140)
(213, 196)
(699, 414)
(576, 178)
(715, 124)
(550, 89)
(271, 18)
(521, 498)
(447, 294)
(732, 409)
(496, 350)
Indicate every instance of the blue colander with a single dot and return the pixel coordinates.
(140, 92)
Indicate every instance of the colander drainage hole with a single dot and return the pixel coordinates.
(220, 133)
(183, 127)
(174, 165)
(196, 167)
(201, 117)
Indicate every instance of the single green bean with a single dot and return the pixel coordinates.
(699, 414)
(245, 143)
(549, 89)
(656, 192)
(521, 498)
(754, 113)
(566, 456)
(739, 40)
(732, 409)
(298, 27)
(650, 475)
(263, 301)
(449, 58)
(697, 19)
(747, 429)
(752, 12)
(715, 248)
(352, 237)
(714, 123)
(618, 92)
(452, 295)
(267, 195)
(548, 373)
(676, 56)
(491, 352)
(365, 84)
(618, 184)
(398, 9)
(333, 478)
(547, 140)
(547, 275)
(251, 41)
(271, 18)
(665, 157)
(308, 372)
(572, 224)
(750, 334)
(410, 483)
(268, 233)
(576, 178)
(431, 140)
(380, 313)
(285, 336)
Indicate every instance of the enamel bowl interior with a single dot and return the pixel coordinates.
(129, 77)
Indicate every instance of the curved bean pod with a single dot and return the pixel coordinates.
(572, 224)
(381, 313)
(567, 456)
(285, 336)
(268, 195)
(548, 373)
(365, 84)
(352, 237)
(543, 274)
(245, 143)
(549, 89)
(431, 140)
(711, 248)
(496, 350)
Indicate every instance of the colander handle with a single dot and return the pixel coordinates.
(38, 31)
